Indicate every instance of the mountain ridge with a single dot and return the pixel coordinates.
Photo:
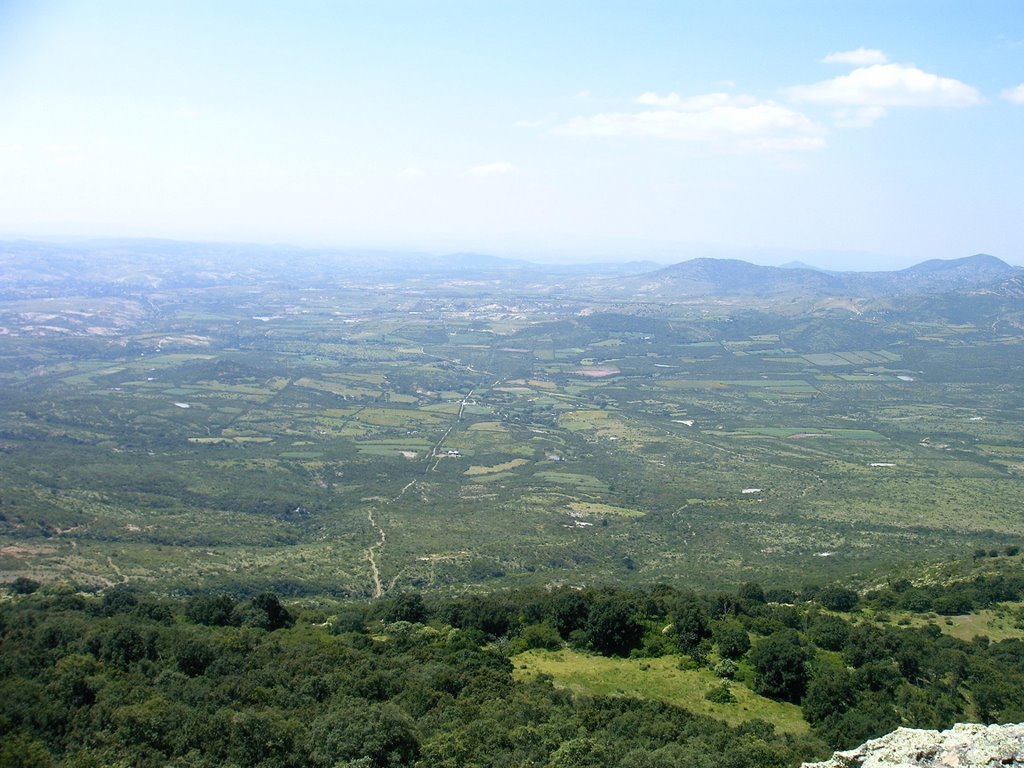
(706, 277)
(99, 266)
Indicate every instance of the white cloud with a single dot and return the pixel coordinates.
(492, 169)
(1016, 95)
(888, 85)
(858, 117)
(529, 123)
(731, 122)
(412, 173)
(654, 100)
(859, 57)
(693, 103)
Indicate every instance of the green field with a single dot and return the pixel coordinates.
(198, 447)
(660, 679)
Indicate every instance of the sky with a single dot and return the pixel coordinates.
(843, 134)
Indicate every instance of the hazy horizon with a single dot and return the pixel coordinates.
(829, 261)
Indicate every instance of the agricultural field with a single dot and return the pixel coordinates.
(364, 438)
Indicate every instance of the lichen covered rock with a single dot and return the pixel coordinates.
(965, 745)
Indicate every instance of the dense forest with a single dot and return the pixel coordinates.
(127, 678)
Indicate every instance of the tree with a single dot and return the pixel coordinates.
(123, 645)
(953, 603)
(21, 750)
(73, 681)
(829, 632)
(569, 611)
(690, 623)
(838, 598)
(613, 628)
(916, 600)
(491, 614)
(580, 752)
(153, 724)
(381, 734)
(24, 586)
(261, 737)
(751, 592)
(830, 692)
(193, 655)
(865, 720)
(117, 600)
(732, 639)
(264, 611)
(779, 595)
(211, 610)
(406, 606)
(780, 665)
(865, 643)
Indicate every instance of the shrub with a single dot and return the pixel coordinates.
(541, 635)
(720, 694)
(726, 668)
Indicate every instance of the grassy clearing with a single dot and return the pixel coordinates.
(495, 478)
(583, 483)
(376, 449)
(798, 433)
(488, 426)
(337, 388)
(1004, 622)
(997, 624)
(233, 440)
(591, 509)
(410, 443)
(850, 358)
(659, 679)
(476, 469)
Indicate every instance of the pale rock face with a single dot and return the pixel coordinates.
(965, 745)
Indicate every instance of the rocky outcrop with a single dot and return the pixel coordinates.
(965, 745)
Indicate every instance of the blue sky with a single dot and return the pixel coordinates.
(844, 134)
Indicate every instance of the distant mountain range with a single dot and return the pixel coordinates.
(34, 269)
(730, 277)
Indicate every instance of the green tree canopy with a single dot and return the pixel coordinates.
(780, 665)
(613, 628)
